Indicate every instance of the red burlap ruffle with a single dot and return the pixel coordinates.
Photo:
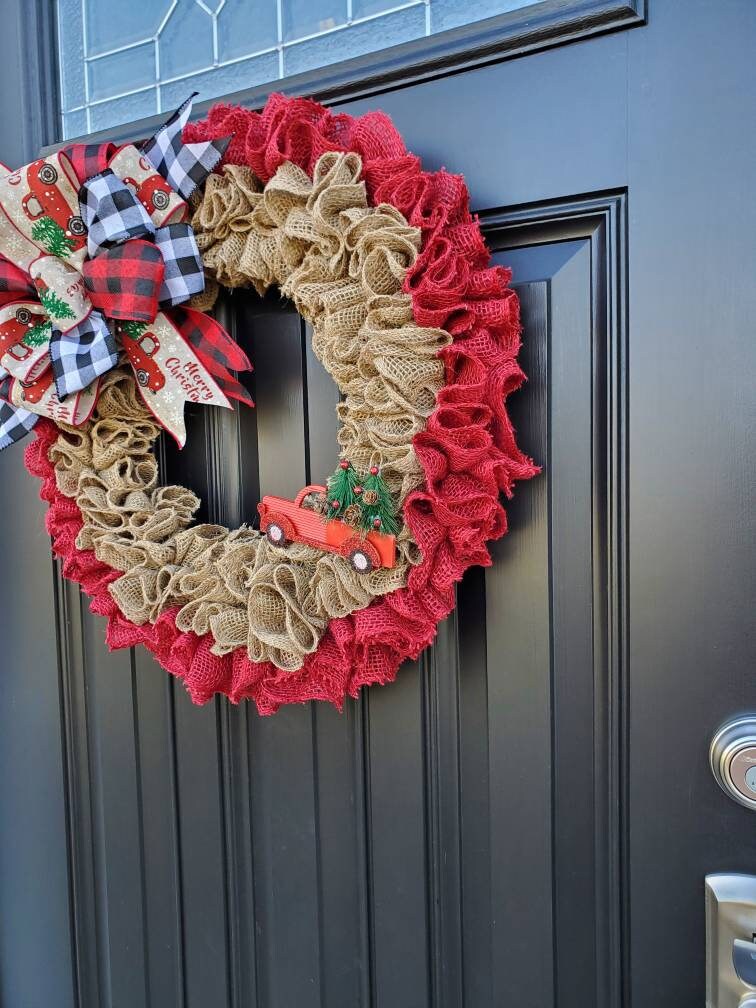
(468, 449)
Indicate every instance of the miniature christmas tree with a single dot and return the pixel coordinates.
(50, 234)
(134, 330)
(341, 487)
(378, 507)
(55, 306)
(37, 334)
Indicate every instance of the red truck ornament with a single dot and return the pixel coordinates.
(45, 199)
(13, 330)
(284, 521)
(33, 391)
(153, 193)
(141, 352)
(24, 340)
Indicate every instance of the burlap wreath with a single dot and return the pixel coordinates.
(343, 264)
(421, 338)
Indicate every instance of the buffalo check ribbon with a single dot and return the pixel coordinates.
(183, 166)
(14, 423)
(96, 253)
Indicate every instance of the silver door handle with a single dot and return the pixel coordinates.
(730, 945)
(744, 960)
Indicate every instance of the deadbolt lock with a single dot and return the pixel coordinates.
(733, 759)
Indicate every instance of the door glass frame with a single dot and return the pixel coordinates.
(546, 24)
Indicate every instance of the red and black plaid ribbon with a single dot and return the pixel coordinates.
(215, 348)
(89, 159)
(124, 280)
(14, 283)
(113, 215)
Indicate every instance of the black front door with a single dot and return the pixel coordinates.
(526, 816)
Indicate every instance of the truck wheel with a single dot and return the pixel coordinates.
(160, 199)
(77, 226)
(23, 316)
(362, 555)
(278, 530)
(142, 377)
(48, 174)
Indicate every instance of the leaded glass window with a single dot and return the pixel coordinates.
(123, 61)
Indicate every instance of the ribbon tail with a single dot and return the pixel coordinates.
(170, 419)
(209, 336)
(169, 373)
(15, 423)
(232, 388)
(216, 349)
(183, 166)
(82, 354)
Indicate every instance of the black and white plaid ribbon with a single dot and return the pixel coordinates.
(15, 423)
(111, 212)
(82, 354)
(183, 166)
(113, 215)
(184, 273)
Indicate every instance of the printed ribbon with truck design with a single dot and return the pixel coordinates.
(96, 256)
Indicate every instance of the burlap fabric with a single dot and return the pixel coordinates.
(343, 264)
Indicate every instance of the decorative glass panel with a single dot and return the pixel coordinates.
(122, 61)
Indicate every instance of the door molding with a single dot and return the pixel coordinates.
(600, 219)
(40, 106)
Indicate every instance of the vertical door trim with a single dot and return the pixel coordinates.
(41, 122)
(602, 219)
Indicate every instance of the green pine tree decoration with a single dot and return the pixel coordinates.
(134, 330)
(341, 484)
(55, 306)
(378, 506)
(50, 234)
(37, 334)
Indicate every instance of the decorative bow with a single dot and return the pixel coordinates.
(96, 253)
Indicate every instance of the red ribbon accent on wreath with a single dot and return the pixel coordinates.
(215, 348)
(14, 283)
(124, 281)
(89, 159)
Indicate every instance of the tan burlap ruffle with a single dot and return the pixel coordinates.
(343, 264)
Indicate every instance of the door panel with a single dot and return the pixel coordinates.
(692, 647)
(524, 817)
